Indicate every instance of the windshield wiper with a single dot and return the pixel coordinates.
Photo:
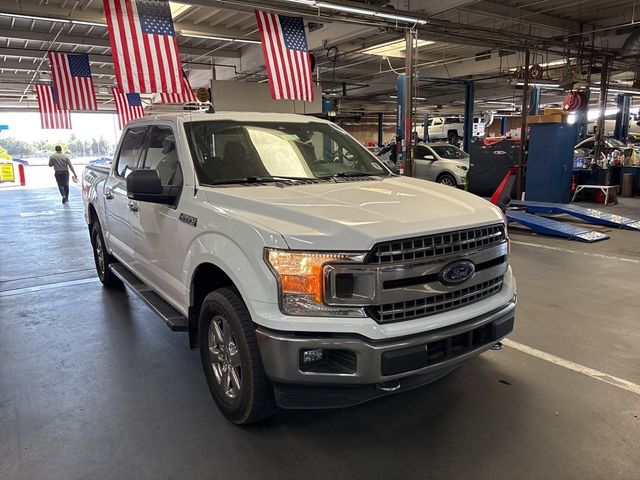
(351, 174)
(256, 179)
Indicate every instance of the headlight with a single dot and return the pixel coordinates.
(300, 277)
(462, 167)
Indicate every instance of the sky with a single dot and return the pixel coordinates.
(26, 126)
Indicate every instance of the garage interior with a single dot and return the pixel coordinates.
(92, 385)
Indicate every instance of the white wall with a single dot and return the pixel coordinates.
(256, 97)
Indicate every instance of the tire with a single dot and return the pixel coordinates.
(231, 359)
(447, 179)
(453, 138)
(102, 258)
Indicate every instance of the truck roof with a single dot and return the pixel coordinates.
(187, 116)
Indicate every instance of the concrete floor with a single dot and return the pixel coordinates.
(92, 385)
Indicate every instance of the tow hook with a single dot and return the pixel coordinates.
(497, 346)
(390, 386)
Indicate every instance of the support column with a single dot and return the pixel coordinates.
(380, 129)
(604, 83)
(621, 131)
(534, 103)
(504, 125)
(408, 104)
(523, 127)
(469, 94)
(425, 134)
(400, 104)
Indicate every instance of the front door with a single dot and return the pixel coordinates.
(156, 228)
(115, 193)
(424, 164)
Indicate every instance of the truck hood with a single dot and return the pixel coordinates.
(354, 216)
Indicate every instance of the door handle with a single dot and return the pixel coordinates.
(108, 194)
(133, 206)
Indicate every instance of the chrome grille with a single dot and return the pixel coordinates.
(408, 310)
(436, 245)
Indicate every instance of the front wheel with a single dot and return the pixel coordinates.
(231, 359)
(102, 258)
(447, 179)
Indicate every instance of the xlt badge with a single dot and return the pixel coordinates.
(193, 221)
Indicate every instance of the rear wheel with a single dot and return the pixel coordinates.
(231, 359)
(447, 179)
(102, 258)
(453, 138)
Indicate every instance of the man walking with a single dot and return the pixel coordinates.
(61, 166)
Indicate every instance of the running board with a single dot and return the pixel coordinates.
(591, 215)
(172, 317)
(547, 226)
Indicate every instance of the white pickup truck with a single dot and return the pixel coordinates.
(450, 129)
(307, 274)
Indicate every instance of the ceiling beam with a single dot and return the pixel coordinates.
(90, 41)
(521, 15)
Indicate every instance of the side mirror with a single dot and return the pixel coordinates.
(145, 185)
(429, 157)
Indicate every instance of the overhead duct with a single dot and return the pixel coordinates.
(631, 47)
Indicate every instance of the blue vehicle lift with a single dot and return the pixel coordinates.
(597, 217)
(545, 226)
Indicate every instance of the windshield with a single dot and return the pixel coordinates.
(614, 142)
(449, 151)
(236, 152)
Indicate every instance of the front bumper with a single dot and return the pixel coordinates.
(357, 369)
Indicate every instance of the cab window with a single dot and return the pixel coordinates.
(130, 150)
(161, 155)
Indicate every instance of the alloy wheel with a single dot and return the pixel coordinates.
(224, 357)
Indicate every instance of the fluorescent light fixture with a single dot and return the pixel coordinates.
(360, 11)
(220, 39)
(93, 24)
(394, 48)
(538, 84)
(496, 102)
(419, 99)
(32, 17)
(553, 63)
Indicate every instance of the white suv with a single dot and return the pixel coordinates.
(442, 163)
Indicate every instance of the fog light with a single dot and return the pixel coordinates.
(312, 356)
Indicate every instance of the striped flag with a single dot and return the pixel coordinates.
(128, 106)
(286, 54)
(51, 116)
(143, 45)
(185, 96)
(71, 76)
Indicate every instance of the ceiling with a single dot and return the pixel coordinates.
(480, 40)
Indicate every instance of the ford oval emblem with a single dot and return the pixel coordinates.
(457, 272)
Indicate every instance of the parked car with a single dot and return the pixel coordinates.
(307, 274)
(619, 151)
(450, 129)
(442, 163)
(101, 161)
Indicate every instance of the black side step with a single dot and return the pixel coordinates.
(172, 317)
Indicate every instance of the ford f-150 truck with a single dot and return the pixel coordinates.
(307, 274)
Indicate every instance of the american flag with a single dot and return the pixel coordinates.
(128, 106)
(185, 96)
(143, 45)
(51, 116)
(286, 55)
(71, 75)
